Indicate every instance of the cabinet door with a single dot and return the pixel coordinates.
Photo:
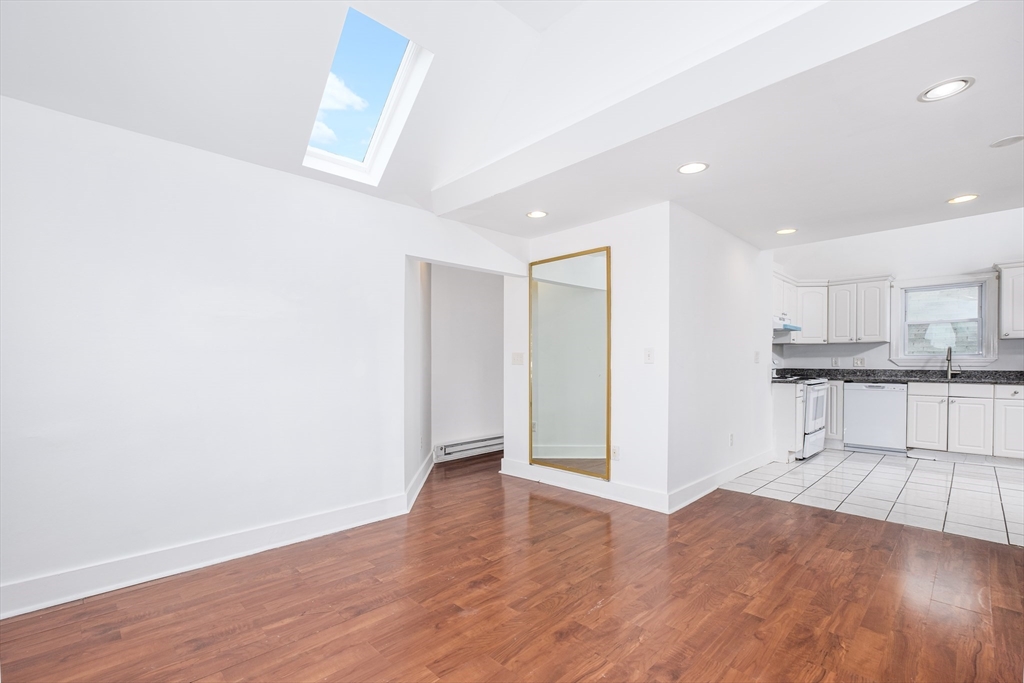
(1011, 303)
(842, 313)
(873, 311)
(834, 422)
(971, 425)
(778, 296)
(927, 418)
(789, 301)
(1009, 432)
(812, 315)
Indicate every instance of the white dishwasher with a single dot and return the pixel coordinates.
(875, 416)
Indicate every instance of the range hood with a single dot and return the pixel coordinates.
(780, 324)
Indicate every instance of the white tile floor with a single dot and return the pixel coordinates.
(981, 501)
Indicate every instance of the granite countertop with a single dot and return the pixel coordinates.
(897, 376)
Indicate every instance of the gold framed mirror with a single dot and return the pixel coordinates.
(570, 362)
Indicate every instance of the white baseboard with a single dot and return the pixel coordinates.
(684, 495)
(28, 595)
(412, 491)
(621, 493)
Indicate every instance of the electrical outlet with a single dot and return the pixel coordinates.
(649, 356)
(858, 362)
(615, 452)
(835, 362)
(732, 440)
(517, 359)
(757, 356)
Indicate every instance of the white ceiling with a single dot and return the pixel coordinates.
(581, 108)
(842, 149)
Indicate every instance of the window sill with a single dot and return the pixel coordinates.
(940, 363)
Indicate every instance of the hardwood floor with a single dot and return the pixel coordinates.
(492, 578)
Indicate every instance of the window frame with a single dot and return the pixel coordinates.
(988, 322)
(412, 71)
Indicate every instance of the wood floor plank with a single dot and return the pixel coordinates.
(495, 579)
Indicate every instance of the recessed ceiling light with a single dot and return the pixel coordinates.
(941, 91)
(785, 231)
(693, 167)
(962, 198)
(537, 214)
(1006, 142)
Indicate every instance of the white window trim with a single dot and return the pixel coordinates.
(990, 323)
(412, 71)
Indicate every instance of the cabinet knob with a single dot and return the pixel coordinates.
(942, 401)
(952, 401)
(1006, 334)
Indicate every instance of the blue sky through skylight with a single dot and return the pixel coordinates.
(362, 73)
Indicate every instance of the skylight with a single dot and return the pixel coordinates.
(374, 79)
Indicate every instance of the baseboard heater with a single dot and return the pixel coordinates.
(464, 449)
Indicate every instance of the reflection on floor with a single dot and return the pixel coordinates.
(980, 501)
(595, 465)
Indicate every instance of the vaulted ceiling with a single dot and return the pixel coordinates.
(805, 111)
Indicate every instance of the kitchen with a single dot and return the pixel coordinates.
(898, 377)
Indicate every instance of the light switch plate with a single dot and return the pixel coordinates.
(835, 362)
(615, 452)
(858, 362)
(757, 356)
(649, 356)
(517, 359)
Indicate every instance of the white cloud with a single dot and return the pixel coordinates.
(322, 134)
(338, 96)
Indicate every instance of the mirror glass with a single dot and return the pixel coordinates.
(570, 307)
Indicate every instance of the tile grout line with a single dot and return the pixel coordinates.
(862, 480)
(795, 467)
(806, 488)
(880, 460)
(1002, 508)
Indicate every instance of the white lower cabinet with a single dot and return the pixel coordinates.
(927, 418)
(971, 425)
(1009, 428)
(834, 420)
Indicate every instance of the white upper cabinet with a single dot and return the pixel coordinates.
(812, 315)
(842, 313)
(858, 312)
(789, 300)
(1011, 301)
(778, 296)
(873, 311)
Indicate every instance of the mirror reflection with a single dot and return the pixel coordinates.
(570, 305)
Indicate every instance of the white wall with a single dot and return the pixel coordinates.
(417, 374)
(720, 306)
(201, 357)
(467, 332)
(639, 320)
(953, 247)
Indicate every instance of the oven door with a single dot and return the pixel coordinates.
(815, 407)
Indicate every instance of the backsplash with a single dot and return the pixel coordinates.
(876, 356)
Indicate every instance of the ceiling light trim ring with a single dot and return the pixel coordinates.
(693, 166)
(967, 80)
(962, 199)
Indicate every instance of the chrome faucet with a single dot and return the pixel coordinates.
(949, 364)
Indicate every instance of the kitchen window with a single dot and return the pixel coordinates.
(945, 313)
